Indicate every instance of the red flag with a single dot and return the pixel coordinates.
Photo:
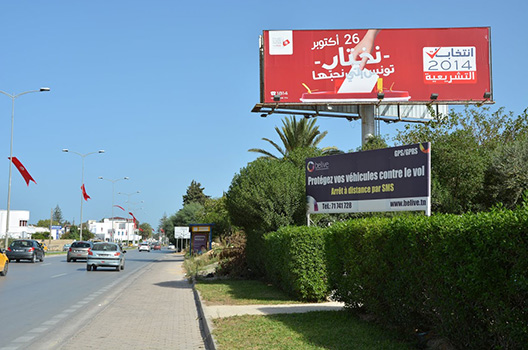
(120, 207)
(141, 229)
(85, 195)
(134, 219)
(23, 170)
(162, 230)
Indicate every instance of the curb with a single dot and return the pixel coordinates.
(209, 340)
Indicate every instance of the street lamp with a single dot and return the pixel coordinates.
(82, 180)
(113, 188)
(128, 206)
(13, 98)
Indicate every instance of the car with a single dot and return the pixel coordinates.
(25, 249)
(171, 247)
(78, 250)
(157, 246)
(144, 247)
(4, 263)
(105, 254)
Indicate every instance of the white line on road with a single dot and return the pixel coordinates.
(59, 275)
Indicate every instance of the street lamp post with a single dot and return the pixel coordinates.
(82, 181)
(13, 98)
(128, 206)
(113, 191)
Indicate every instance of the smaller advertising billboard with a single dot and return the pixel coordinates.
(360, 65)
(389, 179)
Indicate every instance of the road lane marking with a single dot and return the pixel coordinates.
(39, 330)
(24, 339)
(59, 275)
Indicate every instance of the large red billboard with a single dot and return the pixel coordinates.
(400, 65)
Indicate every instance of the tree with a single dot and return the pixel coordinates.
(295, 135)
(266, 195)
(57, 215)
(194, 194)
(463, 145)
(145, 230)
(507, 175)
(215, 212)
(189, 214)
(373, 142)
(46, 223)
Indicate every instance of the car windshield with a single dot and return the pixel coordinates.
(80, 245)
(105, 247)
(21, 244)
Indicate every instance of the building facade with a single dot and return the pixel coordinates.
(114, 230)
(18, 224)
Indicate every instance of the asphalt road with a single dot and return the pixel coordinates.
(43, 303)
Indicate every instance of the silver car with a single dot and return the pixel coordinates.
(105, 254)
(78, 250)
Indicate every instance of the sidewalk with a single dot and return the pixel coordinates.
(162, 310)
(157, 311)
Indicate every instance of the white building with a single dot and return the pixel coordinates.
(18, 224)
(123, 229)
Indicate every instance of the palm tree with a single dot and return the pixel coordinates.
(294, 135)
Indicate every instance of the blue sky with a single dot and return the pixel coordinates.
(166, 88)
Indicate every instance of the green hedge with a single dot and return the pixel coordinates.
(466, 277)
(296, 262)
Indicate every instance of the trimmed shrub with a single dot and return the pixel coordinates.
(295, 261)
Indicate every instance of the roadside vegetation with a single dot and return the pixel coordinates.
(460, 274)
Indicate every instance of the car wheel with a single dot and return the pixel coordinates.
(17, 260)
(4, 271)
(123, 266)
(68, 259)
(74, 260)
(42, 258)
(88, 267)
(94, 267)
(34, 258)
(118, 268)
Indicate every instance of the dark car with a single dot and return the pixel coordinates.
(156, 246)
(25, 249)
(78, 250)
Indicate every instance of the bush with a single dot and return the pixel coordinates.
(463, 276)
(295, 260)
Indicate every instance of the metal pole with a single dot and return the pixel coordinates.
(368, 126)
(82, 199)
(13, 97)
(10, 171)
(82, 181)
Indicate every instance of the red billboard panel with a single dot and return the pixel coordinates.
(400, 65)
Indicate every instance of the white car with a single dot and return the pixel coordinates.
(144, 246)
(171, 247)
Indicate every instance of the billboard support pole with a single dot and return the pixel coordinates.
(366, 112)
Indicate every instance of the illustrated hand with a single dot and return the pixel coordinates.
(365, 45)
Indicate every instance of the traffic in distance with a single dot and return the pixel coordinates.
(96, 254)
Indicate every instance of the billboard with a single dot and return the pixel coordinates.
(403, 65)
(389, 179)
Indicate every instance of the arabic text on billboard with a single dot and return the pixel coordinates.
(406, 65)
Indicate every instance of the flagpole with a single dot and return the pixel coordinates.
(113, 191)
(13, 97)
(83, 190)
(128, 206)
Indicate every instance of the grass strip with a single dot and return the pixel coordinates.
(327, 330)
(241, 292)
